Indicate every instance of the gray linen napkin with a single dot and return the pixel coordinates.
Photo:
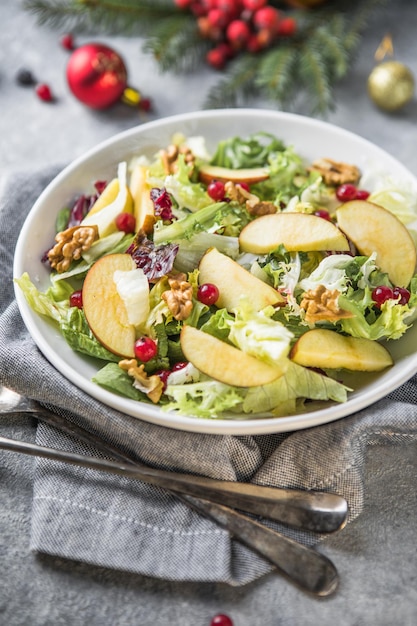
(118, 523)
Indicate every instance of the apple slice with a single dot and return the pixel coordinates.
(104, 309)
(224, 362)
(104, 214)
(207, 173)
(298, 232)
(326, 349)
(143, 206)
(233, 282)
(375, 229)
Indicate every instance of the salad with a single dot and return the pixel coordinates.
(242, 282)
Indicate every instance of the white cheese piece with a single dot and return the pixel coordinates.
(133, 288)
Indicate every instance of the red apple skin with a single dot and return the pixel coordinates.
(103, 307)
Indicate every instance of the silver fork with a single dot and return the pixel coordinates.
(312, 510)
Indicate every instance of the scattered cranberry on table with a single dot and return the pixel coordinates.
(67, 41)
(221, 620)
(43, 91)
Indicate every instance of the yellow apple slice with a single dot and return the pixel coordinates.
(298, 232)
(207, 173)
(104, 308)
(143, 206)
(105, 215)
(233, 282)
(326, 349)
(375, 229)
(224, 362)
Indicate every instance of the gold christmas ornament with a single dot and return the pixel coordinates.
(391, 85)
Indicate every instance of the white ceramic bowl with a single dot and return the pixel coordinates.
(312, 139)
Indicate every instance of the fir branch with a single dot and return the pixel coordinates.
(315, 77)
(176, 43)
(332, 48)
(238, 85)
(125, 17)
(275, 77)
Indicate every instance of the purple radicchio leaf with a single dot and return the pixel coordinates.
(162, 204)
(155, 261)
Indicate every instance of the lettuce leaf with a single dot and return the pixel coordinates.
(207, 398)
(280, 396)
(54, 303)
(186, 193)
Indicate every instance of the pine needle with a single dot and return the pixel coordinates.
(275, 76)
(176, 44)
(237, 87)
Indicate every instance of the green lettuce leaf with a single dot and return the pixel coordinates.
(255, 151)
(54, 303)
(77, 333)
(187, 194)
(204, 399)
(280, 396)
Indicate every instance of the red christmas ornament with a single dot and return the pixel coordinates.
(96, 75)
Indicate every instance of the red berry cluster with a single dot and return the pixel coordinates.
(237, 25)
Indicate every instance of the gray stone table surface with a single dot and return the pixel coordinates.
(376, 555)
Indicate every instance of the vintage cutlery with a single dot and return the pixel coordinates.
(310, 510)
(309, 569)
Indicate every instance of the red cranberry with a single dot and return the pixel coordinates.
(231, 7)
(145, 104)
(67, 42)
(44, 92)
(163, 375)
(218, 18)
(286, 27)
(238, 33)
(244, 186)
(76, 299)
(216, 58)
(208, 294)
(381, 294)
(215, 190)
(362, 194)
(182, 4)
(179, 366)
(266, 18)
(145, 349)
(346, 192)
(254, 5)
(126, 222)
(401, 293)
(323, 214)
(221, 620)
(254, 45)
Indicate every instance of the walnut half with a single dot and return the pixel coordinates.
(321, 305)
(179, 297)
(336, 173)
(151, 385)
(71, 243)
(253, 204)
